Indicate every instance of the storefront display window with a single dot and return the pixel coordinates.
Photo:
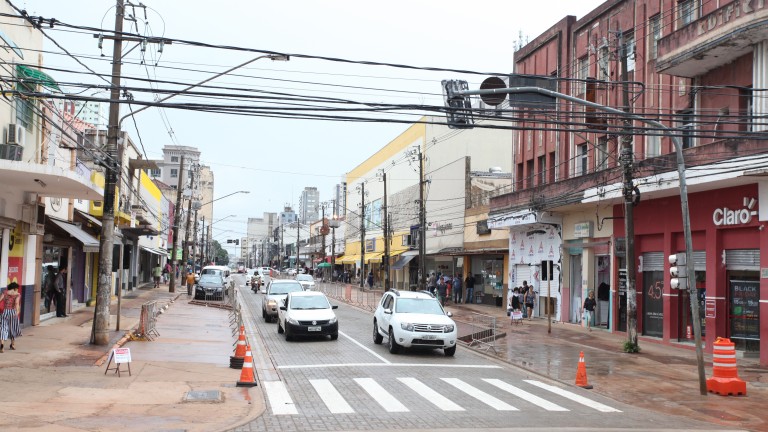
(52, 256)
(653, 303)
(744, 310)
(685, 329)
(488, 273)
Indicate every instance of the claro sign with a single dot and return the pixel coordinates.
(725, 216)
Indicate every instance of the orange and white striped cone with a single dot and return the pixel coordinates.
(581, 373)
(236, 361)
(725, 379)
(246, 376)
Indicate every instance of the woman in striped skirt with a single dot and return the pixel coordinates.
(9, 320)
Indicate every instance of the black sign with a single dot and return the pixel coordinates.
(653, 303)
(482, 227)
(745, 309)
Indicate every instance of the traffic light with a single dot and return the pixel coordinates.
(679, 271)
(547, 270)
(237, 242)
(230, 240)
(459, 108)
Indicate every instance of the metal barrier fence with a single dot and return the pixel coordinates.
(356, 296)
(483, 332)
(147, 321)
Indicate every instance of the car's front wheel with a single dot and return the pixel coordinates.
(279, 328)
(394, 348)
(288, 335)
(377, 337)
(449, 352)
(334, 336)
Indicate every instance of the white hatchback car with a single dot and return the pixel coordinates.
(413, 319)
(307, 313)
(307, 281)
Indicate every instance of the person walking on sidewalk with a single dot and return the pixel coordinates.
(190, 283)
(370, 279)
(157, 271)
(514, 304)
(61, 293)
(9, 320)
(442, 289)
(588, 311)
(49, 287)
(530, 299)
(470, 283)
(521, 300)
(456, 289)
(431, 283)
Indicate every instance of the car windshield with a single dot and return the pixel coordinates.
(285, 288)
(211, 279)
(309, 302)
(304, 278)
(421, 306)
(212, 272)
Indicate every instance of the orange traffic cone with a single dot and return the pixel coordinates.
(236, 361)
(725, 379)
(246, 376)
(581, 373)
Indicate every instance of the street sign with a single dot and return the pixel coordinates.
(710, 308)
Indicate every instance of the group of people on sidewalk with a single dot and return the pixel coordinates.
(54, 288)
(448, 287)
(521, 302)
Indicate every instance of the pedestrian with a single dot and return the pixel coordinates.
(442, 289)
(456, 289)
(469, 282)
(157, 271)
(166, 272)
(513, 305)
(61, 293)
(588, 311)
(190, 283)
(521, 300)
(49, 287)
(530, 299)
(448, 286)
(370, 279)
(432, 283)
(9, 320)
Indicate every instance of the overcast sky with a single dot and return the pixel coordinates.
(276, 158)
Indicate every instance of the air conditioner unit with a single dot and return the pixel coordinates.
(14, 134)
(33, 217)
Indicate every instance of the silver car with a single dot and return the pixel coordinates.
(277, 291)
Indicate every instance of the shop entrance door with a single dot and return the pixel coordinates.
(575, 282)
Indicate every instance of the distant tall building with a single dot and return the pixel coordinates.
(89, 112)
(287, 216)
(309, 205)
(340, 199)
(261, 236)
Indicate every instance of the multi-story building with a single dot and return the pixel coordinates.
(309, 205)
(694, 67)
(263, 246)
(91, 112)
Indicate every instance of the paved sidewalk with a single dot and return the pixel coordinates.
(51, 381)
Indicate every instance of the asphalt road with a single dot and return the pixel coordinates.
(353, 384)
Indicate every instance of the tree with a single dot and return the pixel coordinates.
(219, 254)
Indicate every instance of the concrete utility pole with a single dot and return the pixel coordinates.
(333, 239)
(298, 234)
(627, 157)
(185, 251)
(362, 234)
(177, 225)
(385, 260)
(322, 228)
(422, 226)
(100, 334)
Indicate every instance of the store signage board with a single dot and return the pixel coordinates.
(710, 308)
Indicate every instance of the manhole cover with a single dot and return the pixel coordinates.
(202, 396)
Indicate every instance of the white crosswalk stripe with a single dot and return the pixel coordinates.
(335, 401)
(522, 394)
(432, 396)
(279, 399)
(383, 397)
(331, 397)
(480, 395)
(573, 396)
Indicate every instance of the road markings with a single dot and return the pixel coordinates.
(279, 399)
(389, 365)
(364, 347)
(480, 395)
(573, 396)
(383, 397)
(331, 397)
(522, 394)
(432, 396)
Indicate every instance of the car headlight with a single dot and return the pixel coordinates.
(332, 320)
(271, 303)
(406, 326)
(448, 328)
(291, 321)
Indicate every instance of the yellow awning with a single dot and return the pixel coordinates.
(348, 259)
(373, 257)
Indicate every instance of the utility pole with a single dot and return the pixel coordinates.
(323, 228)
(177, 225)
(100, 334)
(185, 251)
(202, 246)
(280, 245)
(422, 226)
(362, 233)
(627, 156)
(194, 248)
(385, 260)
(298, 233)
(333, 239)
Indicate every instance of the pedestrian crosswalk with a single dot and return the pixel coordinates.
(396, 395)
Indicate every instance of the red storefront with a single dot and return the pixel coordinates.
(727, 239)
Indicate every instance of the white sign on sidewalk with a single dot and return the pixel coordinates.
(122, 355)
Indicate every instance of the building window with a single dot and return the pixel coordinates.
(25, 106)
(155, 173)
(652, 146)
(685, 124)
(174, 173)
(629, 46)
(582, 74)
(602, 153)
(581, 159)
(530, 174)
(654, 25)
(686, 12)
(542, 170)
(174, 158)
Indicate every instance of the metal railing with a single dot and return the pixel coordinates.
(353, 295)
(482, 332)
(147, 329)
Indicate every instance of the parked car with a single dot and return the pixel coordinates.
(307, 313)
(223, 271)
(211, 287)
(413, 319)
(277, 290)
(291, 272)
(306, 281)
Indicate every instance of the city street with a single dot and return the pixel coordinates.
(353, 384)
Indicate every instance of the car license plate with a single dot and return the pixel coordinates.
(316, 328)
(430, 337)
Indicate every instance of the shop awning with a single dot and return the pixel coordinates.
(92, 219)
(348, 259)
(155, 251)
(373, 257)
(402, 262)
(37, 77)
(90, 244)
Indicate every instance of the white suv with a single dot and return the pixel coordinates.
(413, 319)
